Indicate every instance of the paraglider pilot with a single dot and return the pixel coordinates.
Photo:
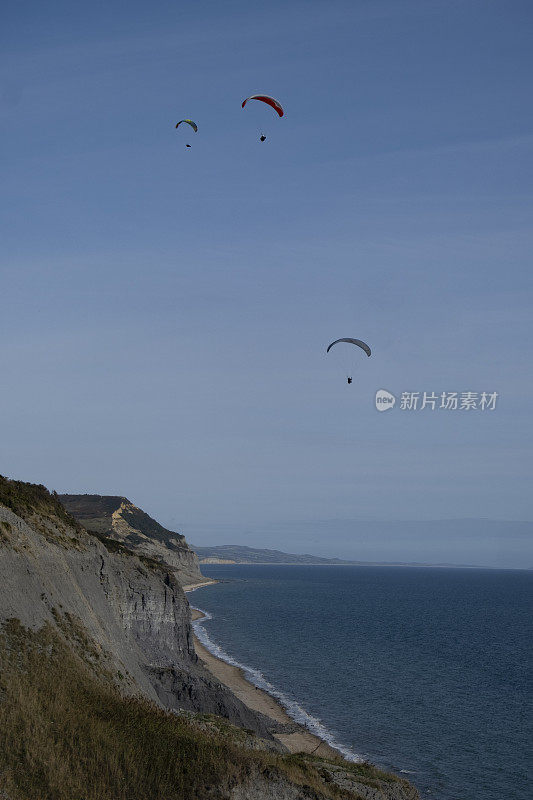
(349, 379)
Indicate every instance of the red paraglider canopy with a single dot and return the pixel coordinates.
(265, 99)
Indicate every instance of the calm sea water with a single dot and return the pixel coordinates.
(422, 671)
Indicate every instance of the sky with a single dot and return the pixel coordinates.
(166, 310)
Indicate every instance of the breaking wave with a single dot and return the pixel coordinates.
(256, 677)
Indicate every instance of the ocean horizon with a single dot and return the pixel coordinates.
(425, 672)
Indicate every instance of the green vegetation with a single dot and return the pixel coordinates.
(140, 520)
(363, 772)
(41, 509)
(5, 531)
(114, 546)
(95, 512)
(27, 499)
(67, 732)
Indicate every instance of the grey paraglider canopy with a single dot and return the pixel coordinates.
(358, 342)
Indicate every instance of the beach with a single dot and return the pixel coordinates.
(192, 586)
(300, 740)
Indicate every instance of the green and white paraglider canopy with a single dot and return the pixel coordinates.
(190, 122)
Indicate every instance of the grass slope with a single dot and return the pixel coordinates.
(68, 733)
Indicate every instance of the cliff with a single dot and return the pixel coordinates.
(102, 696)
(119, 519)
(132, 607)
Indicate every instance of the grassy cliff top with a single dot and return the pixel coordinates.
(92, 505)
(28, 500)
(68, 732)
(95, 512)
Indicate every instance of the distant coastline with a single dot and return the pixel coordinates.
(463, 543)
(223, 562)
(231, 554)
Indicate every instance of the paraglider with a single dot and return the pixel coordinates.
(264, 98)
(190, 122)
(358, 343)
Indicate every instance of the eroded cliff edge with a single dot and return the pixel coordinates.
(117, 518)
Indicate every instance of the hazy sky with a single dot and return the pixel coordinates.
(165, 311)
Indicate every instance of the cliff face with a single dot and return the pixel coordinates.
(132, 608)
(119, 519)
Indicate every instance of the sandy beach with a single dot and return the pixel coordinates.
(192, 586)
(301, 740)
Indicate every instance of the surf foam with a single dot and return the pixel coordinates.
(256, 677)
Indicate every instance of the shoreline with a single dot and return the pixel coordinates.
(192, 586)
(300, 739)
(359, 564)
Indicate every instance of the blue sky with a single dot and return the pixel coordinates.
(165, 311)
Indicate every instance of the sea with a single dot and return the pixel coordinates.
(426, 672)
